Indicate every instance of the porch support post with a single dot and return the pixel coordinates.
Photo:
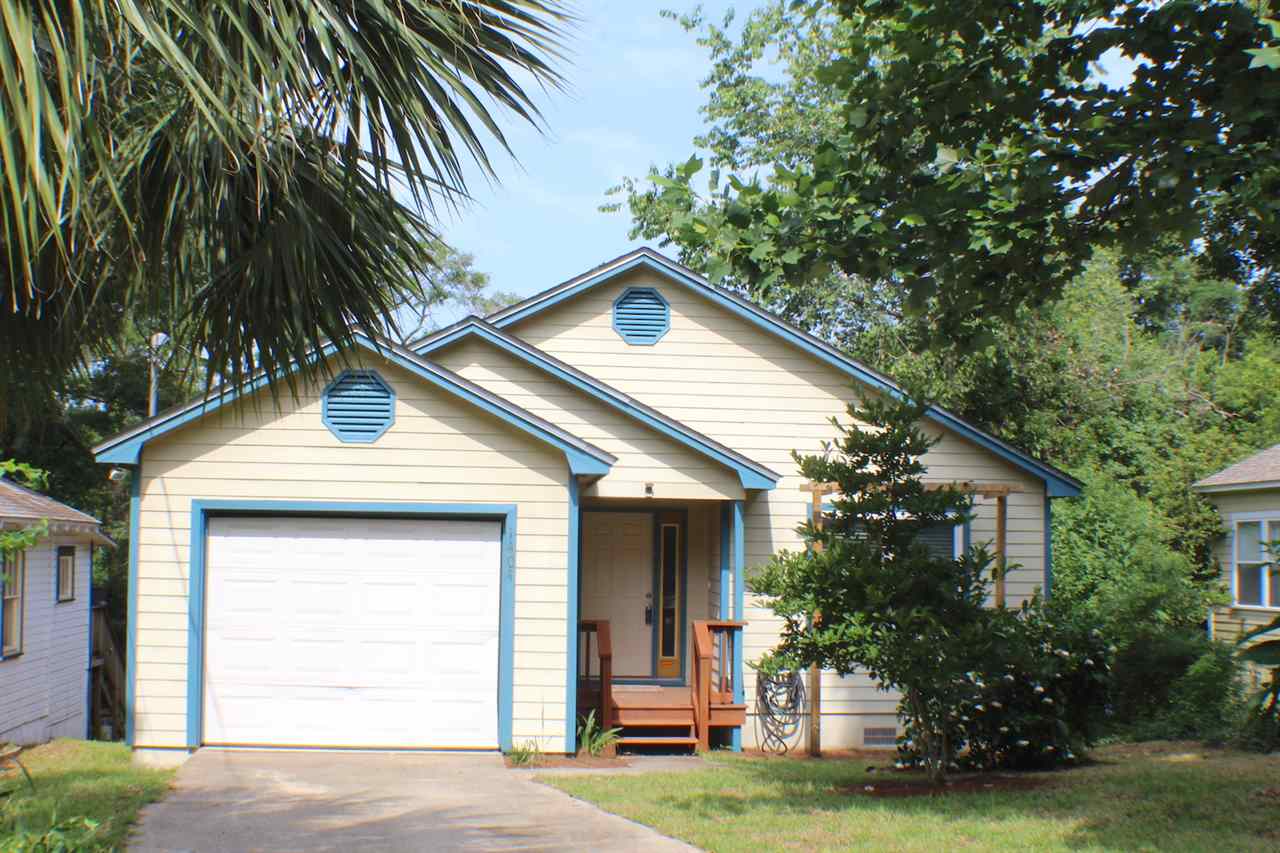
(739, 605)
(726, 521)
(571, 650)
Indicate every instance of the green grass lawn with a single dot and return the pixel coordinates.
(77, 779)
(1137, 797)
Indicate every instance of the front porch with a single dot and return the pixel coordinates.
(659, 642)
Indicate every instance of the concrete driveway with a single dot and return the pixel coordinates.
(274, 801)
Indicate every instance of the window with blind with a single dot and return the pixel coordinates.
(13, 585)
(66, 578)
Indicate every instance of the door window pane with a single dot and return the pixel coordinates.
(1274, 592)
(670, 597)
(1249, 585)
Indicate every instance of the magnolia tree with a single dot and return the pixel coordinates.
(1008, 687)
(868, 595)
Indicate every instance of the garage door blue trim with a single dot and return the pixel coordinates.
(201, 510)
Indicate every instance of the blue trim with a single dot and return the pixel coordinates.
(573, 595)
(1057, 483)
(750, 477)
(583, 459)
(726, 514)
(648, 323)
(131, 629)
(1048, 546)
(365, 415)
(202, 509)
(739, 607)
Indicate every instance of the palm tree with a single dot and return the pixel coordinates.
(262, 172)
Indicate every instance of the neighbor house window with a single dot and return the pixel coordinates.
(66, 573)
(13, 584)
(1256, 578)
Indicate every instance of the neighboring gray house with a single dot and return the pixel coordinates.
(45, 610)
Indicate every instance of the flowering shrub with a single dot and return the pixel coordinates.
(1032, 702)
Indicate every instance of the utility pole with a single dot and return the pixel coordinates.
(156, 341)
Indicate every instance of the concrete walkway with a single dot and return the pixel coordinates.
(315, 801)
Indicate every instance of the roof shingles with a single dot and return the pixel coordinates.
(1262, 467)
(19, 503)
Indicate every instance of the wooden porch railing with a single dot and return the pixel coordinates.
(713, 655)
(595, 684)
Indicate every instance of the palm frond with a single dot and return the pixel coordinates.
(239, 165)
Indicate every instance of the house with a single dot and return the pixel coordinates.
(1247, 496)
(463, 543)
(45, 593)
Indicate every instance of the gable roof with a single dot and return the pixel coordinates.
(751, 474)
(583, 457)
(20, 506)
(1058, 483)
(1259, 471)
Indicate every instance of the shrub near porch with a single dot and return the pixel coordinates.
(1168, 796)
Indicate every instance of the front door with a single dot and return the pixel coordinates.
(617, 584)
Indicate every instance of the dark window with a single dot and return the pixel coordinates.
(670, 594)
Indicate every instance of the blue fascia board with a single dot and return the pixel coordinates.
(581, 461)
(1048, 546)
(1057, 484)
(749, 477)
(201, 510)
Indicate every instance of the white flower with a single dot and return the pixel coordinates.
(1024, 743)
(979, 708)
(1062, 653)
(995, 704)
(1088, 661)
(1047, 701)
(1039, 690)
(1010, 679)
(1004, 730)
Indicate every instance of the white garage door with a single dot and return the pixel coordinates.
(352, 632)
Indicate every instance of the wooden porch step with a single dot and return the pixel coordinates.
(662, 715)
(656, 740)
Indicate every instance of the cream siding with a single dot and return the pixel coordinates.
(644, 454)
(440, 450)
(1229, 623)
(763, 397)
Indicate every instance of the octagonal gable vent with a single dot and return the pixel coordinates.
(358, 406)
(641, 315)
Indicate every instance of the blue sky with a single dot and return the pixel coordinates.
(632, 102)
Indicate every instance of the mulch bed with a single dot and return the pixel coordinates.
(977, 784)
(579, 761)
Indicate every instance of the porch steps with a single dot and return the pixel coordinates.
(658, 740)
(654, 716)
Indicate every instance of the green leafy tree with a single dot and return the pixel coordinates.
(258, 171)
(15, 541)
(870, 596)
(971, 156)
